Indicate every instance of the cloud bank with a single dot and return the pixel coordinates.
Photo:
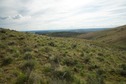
(61, 14)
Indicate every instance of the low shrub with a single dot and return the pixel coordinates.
(48, 68)
(100, 54)
(27, 56)
(52, 44)
(11, 35)
(35, 79)
(7, 60)
(46, 49)
(92, 67)
(2, 31)
(11, 43)
(2, 45)
(63, 75)
(123, 66)
(22, 79)
(27, 49)
(95, 79)
(122, 70)
(29, 64)
(55, 59)
(21, 38)
(86, 60)
(69, 61)
(74, 46)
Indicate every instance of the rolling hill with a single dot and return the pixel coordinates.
(27, 58)
(115, 36)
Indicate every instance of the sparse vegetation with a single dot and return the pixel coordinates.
(30, 64)
(37, 59)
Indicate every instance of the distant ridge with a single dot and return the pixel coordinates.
(67, 30)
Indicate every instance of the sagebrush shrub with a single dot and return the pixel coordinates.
(29, 64)
(7, 60)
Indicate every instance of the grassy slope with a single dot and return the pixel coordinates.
(116, 36)
(36, 59)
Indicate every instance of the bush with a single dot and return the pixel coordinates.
(3, 37)
(93, 66)
(63, 75)
(55, 59)
(27, 49)
(16, 53)
(2, 45)
(70, 62)
(35, 79)
(100, 59)
(122, 70)
(52, 44)
(22, 79)
(73, 46)
(21, 38)
(11, 35)
(122, 73)
(123, 66)
(48, 68)
(100, 54)
(86, 60)
(46, 49)
(11, 43)
(2, 31)
(7, 60)
(27, 56)
(95, 79)
(30, 64)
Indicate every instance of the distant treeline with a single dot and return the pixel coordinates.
(61, 34)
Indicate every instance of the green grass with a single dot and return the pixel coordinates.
(38, 59)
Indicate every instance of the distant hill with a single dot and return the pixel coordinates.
(27, 58)
(67, 30)
(66, 33)
(115, 36)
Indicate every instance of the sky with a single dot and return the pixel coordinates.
(61, 14)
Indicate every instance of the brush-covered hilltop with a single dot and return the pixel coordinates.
(27, 58)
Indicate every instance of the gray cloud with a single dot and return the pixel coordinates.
(12, 17)
(17, 17)
(26, 1)
(40, 14)
(23, 11)
(43, 12)
(119, 10)
(4, 18)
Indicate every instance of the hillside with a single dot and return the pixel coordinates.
(27, 58)
(115, 36)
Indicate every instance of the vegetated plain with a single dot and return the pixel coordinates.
(27, 58)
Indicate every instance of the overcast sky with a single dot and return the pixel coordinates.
(61, 14)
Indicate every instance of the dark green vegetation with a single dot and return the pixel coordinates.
(63, 34)
(37, 59)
